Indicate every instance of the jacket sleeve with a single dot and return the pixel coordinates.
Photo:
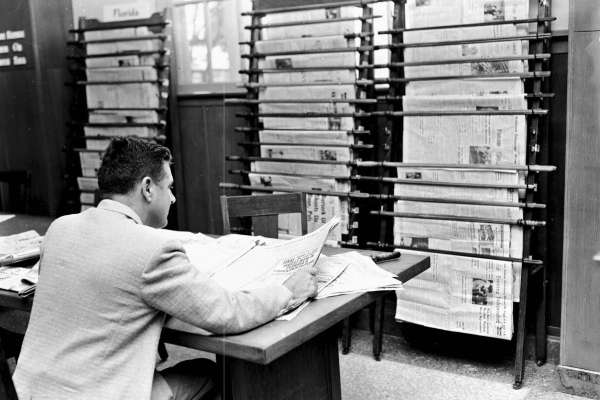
(170, 283)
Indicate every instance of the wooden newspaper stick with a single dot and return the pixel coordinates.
(387, 246)
(473, 24)
(287, 160)
(299, 174)
(522, 75)
(117, 39)
(507, 167)
(301, 69)
(443, 183)
(458, 201)
(541, 36)
(225, 185)
(292, 131)
(306, 114)
(418, 113)
(360, 82)
(542, 56)
(310, 22)
(293, 101)
(351, 146)
(448, 217)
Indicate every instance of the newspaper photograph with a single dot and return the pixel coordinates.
(472, 296)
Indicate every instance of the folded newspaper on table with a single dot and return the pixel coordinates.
(19, 279)
(19, 247)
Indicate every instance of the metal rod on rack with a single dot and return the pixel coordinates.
(111, 40)
(285, 160)
(526, 95)
(302, 69)
(472, 25)
(443, 183)
(119, 54)
(315, 6)
(508, 167)
(447, 217)
(522, 75)
(156, 81)
(376, 245)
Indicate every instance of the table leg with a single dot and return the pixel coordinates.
(310, 371)
(378, 327)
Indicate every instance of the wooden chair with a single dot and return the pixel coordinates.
(7, 389)
(263, 209)
(18, 184)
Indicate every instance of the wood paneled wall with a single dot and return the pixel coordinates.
(34, 104)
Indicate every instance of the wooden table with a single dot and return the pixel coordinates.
(295, 359)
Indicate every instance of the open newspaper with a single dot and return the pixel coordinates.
(19, 247)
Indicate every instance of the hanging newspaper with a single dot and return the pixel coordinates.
(296, 168)
(459, 236)
(487, 139)
(330, 28)
(331, 91)
(329, 13)
(291, 107)
(344, 59)
(123, 116)
(474, 87)
(319, 153)
(298, 137)
(122, 96)
(334, 75)
(123, 46)
(302, 45)
(459, 210)
(461, 294)
(320, 208)
(422, 13)
(117, 33)
(333, 123)
(121, 74)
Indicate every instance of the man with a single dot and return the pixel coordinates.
(108, 278)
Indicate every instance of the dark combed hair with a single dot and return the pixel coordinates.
(126, 161)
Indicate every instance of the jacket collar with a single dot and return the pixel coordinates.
(115, 206)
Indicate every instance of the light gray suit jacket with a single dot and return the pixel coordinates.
(106, 284)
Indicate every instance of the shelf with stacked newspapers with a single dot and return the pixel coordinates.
(468, 103)
(311, 103)
(121, 76)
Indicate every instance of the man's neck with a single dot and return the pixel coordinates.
(132, 203)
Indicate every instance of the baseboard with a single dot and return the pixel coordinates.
(582, 382)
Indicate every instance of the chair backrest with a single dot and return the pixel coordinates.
(14, 197)
(264, 210)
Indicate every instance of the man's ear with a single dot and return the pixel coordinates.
(146, 188)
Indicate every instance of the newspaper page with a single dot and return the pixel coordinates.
(320, 208)
(298, 137)
(273, 264)
(333, 170)
(20, 246)
(322, 107)
(466, 87)
(461, 294)
(19, 279)
(319, 153)
(334, 75)
(309, 123)
(330, 13)
(304, 44)
(331, 91)
(348, 59)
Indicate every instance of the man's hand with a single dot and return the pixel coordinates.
(303, 285)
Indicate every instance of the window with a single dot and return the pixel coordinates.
(206, 35)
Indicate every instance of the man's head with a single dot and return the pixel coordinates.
(137, 173)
